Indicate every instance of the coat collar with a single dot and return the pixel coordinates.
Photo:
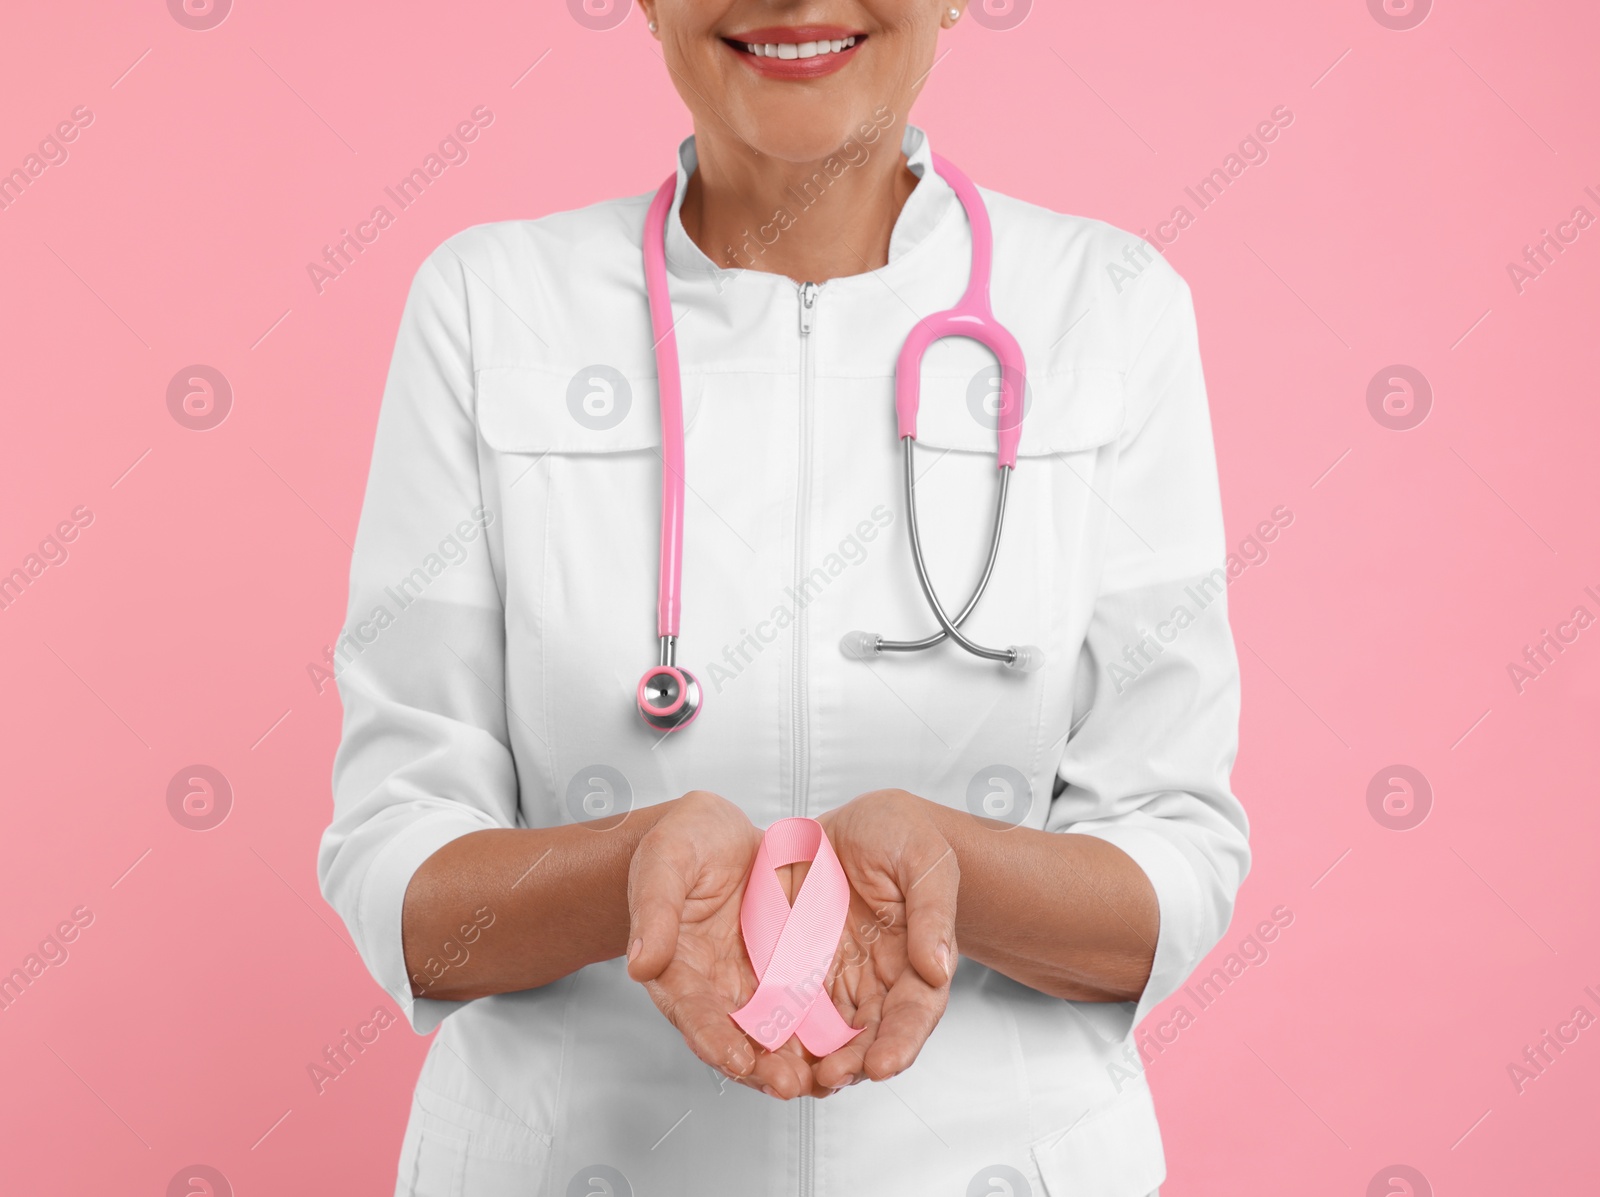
(929, 203)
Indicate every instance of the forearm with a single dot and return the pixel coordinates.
(1069, 915)
(510, 909)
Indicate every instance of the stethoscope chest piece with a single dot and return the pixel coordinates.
(669, 697)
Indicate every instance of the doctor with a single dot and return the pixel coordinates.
(661, 434)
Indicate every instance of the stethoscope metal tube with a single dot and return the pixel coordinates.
(883, 645)
(1024, 657)
(669, 697)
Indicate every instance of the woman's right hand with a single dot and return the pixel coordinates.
(685, 886)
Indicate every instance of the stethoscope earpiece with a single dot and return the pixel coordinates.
(860, 646)
(863, 646)
(669, 697)
(1026, 658)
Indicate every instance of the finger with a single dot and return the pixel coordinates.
(911, 1010)
(657, 892)
(785, 1073)
(930, 883)
(781, 1074)
(849, 1063)
(701, 1016)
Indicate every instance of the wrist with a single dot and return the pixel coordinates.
(642, 821)
(955, 825)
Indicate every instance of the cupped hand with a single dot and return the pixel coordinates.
(685, 885)
(897, 955)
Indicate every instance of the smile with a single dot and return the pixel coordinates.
(797, 49)
(796, 52)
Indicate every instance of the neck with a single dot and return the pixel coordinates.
(811, 221)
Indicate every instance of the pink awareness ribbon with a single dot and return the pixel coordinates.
(792, 948)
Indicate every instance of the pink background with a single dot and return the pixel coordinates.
(1377, 631)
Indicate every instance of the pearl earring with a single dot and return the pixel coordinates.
(955, 15)
(652, 26)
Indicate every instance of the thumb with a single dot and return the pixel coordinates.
(657, 893)
(930, 880)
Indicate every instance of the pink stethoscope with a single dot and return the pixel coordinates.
(669, 696)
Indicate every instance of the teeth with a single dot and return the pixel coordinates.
(798, 49)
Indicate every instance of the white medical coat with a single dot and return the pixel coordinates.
(503, 606)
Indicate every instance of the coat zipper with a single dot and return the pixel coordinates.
(808, 305)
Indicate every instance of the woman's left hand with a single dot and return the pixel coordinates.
(897, 954)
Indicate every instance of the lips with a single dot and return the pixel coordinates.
(795, 51)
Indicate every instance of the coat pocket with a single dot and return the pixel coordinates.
(451, 1150)
(1065, 411)
(589, 409)
(1112, 1151)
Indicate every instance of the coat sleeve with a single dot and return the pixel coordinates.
(1157, 708)
(423, 757)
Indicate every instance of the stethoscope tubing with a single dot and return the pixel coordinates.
(947, 625)
(669, 378)
(669, 697)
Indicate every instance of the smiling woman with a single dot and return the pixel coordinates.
(810, 292)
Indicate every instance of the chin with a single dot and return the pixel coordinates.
(800, 132)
